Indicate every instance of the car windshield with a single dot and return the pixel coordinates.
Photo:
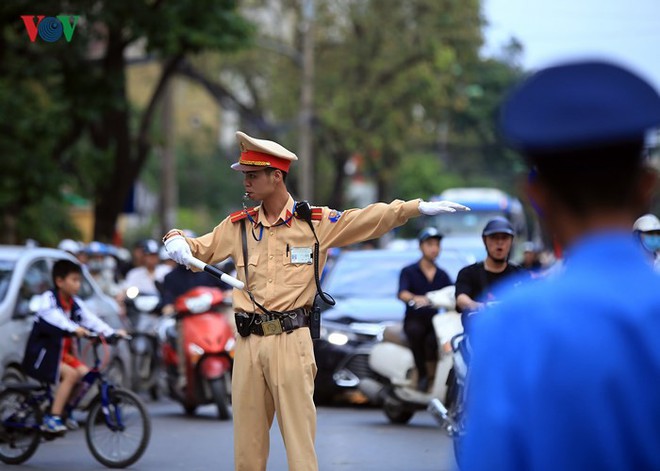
(464, 223)
(6, 269)
(375, 273)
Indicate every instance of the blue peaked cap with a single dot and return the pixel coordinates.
(579, 105)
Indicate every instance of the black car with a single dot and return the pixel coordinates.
(364, 283)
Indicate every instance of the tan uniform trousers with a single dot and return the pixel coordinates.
(274, 374)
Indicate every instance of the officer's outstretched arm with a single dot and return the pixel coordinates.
(338, 229)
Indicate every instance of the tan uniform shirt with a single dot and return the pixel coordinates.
(274, 280)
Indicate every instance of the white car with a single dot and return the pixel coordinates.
(26, 272)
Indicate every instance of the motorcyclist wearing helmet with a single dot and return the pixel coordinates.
(474, 283)
(148, 277)
(180, 280)
(101, 268)
(176, 283)
(414, 282)
(647, 231)
(77, 249)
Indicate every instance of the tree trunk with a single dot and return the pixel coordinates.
(336, 199)
(382, 187)
(128, 158)
(114, 134)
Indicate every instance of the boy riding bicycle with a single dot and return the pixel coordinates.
(51, 349)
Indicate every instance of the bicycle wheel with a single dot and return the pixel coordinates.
(120, 439)
(19, 427)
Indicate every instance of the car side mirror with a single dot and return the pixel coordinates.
(35, 303)
(25, 308)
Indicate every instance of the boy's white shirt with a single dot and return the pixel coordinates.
(53, 314)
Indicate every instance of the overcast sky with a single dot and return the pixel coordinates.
(627, 31)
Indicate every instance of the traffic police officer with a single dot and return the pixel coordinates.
(274, 374)
(564, 372)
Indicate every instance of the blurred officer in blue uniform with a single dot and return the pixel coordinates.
(565, 372)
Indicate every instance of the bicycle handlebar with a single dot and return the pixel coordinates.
(111, 339)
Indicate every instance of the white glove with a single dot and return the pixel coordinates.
(178, 249)
(431, 208)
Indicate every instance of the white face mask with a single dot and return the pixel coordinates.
(95, 266)
(651, 242)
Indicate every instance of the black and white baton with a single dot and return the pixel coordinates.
(178, 240)
(230, 280)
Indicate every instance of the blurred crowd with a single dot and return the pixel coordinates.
(115, 269)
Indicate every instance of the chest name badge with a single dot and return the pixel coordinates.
(301, 255)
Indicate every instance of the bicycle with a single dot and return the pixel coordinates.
(117, 430)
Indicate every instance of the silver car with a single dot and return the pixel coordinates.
(26, 272)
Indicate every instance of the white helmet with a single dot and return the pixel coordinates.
(647, 223)
(69, 245)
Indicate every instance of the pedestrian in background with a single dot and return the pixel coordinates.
(531, 258)
(564, 370)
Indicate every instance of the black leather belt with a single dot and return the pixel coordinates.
(288, 321)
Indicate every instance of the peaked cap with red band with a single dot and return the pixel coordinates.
(258, 154)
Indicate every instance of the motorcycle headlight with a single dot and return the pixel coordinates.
(132, 292)
(195, 352)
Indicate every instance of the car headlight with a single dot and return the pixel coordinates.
(337, 337)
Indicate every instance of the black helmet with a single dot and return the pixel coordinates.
(498, 225)
(150, 247)
(429, 233)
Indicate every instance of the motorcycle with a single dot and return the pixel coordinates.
(394, 384)
(142, 310)
(451, 415)
(207, 342)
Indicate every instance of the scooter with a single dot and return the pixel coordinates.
(394, 385)
(142, 310)
(207, 342)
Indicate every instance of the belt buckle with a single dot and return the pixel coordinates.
(273, 327)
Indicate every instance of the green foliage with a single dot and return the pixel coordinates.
(422, 176)
(400, 84)
(29, 179)
(64, 111)
(205, 181)
(393, 80)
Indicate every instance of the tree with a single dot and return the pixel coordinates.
(393, 79)
(83, 87)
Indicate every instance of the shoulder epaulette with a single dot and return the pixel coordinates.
(317, 214)
(243, 213)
